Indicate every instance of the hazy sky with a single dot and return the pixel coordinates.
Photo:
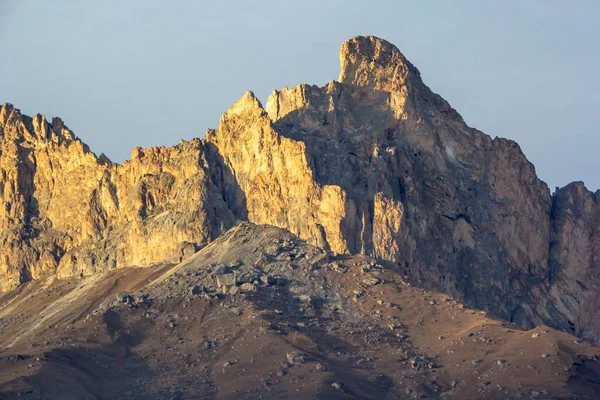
(147, 72)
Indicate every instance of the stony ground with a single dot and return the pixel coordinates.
(259, 314)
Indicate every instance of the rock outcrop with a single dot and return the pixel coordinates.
(574, 261)
(375, 163)
(67, 212)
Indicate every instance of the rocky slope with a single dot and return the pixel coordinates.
(259, 313)
(374, 163)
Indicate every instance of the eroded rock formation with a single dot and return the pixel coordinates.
(67, 212)
(375, 163)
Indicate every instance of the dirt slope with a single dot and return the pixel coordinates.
(261, 314)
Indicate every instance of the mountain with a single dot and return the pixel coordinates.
(373, 164)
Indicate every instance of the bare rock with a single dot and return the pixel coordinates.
(248, 287)
(371, 281)
(226, 280)
(446, 203)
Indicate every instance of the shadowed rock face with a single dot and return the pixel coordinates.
(375, 163)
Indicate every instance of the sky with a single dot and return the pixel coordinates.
(148, 72)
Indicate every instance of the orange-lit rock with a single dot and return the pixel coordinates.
(376, 164)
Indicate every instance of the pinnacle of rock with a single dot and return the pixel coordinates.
(376, 63)
(248, 101)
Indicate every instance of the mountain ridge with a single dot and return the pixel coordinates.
(375, 164)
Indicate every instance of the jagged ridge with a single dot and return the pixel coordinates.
(375, 163)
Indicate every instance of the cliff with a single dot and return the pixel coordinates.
(374, 163)
(67, 212)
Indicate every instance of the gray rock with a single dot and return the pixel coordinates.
(226, 280)
(196, 290)
(296, 358)
(371, 281)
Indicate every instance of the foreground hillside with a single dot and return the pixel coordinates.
(261, 314)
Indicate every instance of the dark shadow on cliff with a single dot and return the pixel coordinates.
(340, 153)
(354, 385)
(359, 379)
(230, 205)
(584, 378)
(90, 371)
(388, 156)
(31, 227)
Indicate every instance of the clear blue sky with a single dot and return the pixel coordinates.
(148, 72)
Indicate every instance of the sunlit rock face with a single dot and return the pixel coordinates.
(375, 163)
(67, 212)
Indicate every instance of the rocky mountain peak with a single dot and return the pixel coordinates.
(375, 164)
(247, 102)
(36, 130)
(7, 113)
(246, 108)
(371, 62)
(376, 63)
